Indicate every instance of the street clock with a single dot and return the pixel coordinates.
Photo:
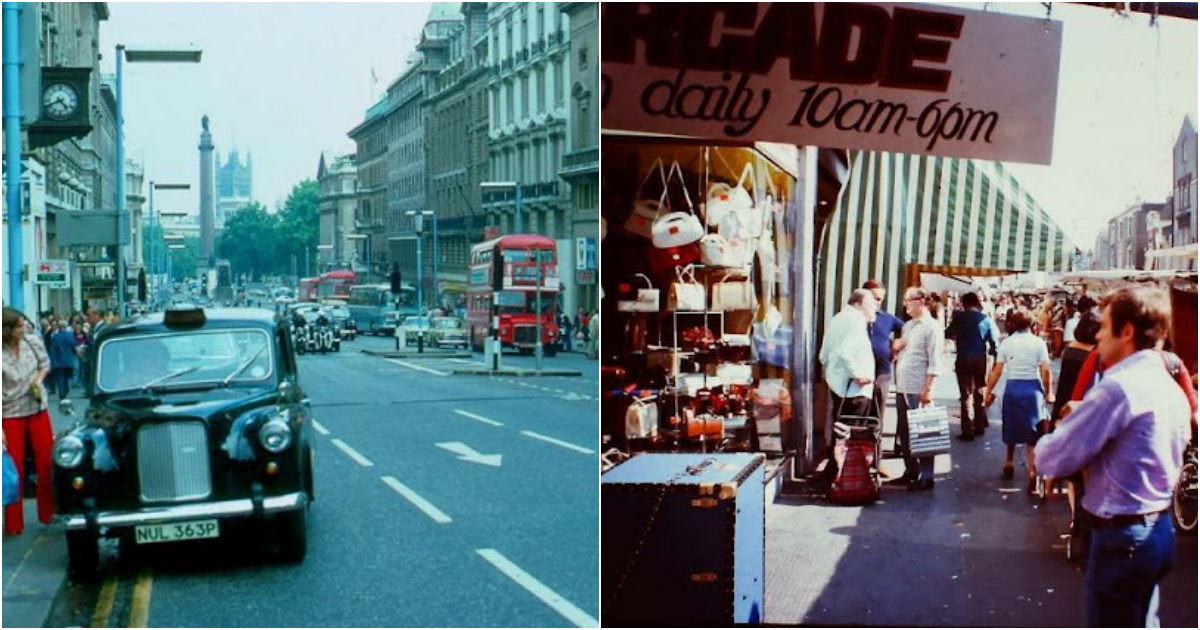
(60, 101)
(65, 106)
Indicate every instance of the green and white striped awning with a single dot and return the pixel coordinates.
(898, 210)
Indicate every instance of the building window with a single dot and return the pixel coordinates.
(583, 54)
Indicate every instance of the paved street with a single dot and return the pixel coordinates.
(441, 501)
(976, 551)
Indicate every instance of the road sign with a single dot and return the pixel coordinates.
(584, 277)
(54, 274)
(585, 253)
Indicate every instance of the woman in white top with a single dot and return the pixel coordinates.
(1025, 357)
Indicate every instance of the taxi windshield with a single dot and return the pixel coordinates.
(172, 359)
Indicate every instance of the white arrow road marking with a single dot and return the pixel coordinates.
(479, 418)
(538, 436)
(432, 512)
(468, 454)
(560, 605)
(419, 367)
(320, 429)
(355, 455)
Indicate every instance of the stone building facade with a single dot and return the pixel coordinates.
(579, 267)
(337, 177)
(457, 141)
(528, 84)
(370, 253)
(75, 174)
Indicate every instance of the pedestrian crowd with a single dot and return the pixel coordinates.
(1114, 428)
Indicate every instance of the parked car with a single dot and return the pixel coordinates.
(448, 331)
(342, 321)
(196, 423)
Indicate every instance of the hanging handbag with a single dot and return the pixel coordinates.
(686, 294)
(724, 201)
(646, 300)
(641, 419)
(675, 229)
(718, 251)
(645, 211)
(733, 295)
(773, 348)
(928, 431)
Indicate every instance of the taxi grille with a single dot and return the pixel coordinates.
(525, 335)
(173, 461)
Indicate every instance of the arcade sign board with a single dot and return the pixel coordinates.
(922, 79)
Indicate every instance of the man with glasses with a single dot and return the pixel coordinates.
(918, 351)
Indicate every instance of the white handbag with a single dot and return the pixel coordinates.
(735, 373)
(686, 293)
(725, 201)
(676, 229)
(641, 419)
(733, 295)
(645, 211)
(646, 300)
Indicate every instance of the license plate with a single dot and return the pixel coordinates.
(171, 532)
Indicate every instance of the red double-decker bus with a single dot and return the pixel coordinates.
(507, 276)
(335, 285)
(307, 290)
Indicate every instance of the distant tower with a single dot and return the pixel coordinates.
(206, 259)
(234, 186)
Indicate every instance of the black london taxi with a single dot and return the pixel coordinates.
(196, 422)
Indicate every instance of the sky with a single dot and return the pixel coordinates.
(1124, 89)
(287, 81)
(282, 81)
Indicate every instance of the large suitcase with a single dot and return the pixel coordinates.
(682, 539)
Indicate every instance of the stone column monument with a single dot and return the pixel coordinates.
(207, 257)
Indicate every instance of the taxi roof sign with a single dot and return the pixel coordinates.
(184, 316)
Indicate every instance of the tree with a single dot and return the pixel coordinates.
(250, 241)
(300, 224)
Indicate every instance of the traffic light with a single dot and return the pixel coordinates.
(395, 278)
(141, 286)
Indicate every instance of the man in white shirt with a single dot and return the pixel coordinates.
(847, 356)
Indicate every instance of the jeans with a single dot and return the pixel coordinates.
(972, 378)
(917, 468)
(1125, 566)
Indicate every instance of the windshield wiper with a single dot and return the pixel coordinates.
(241, 368)
(172, 375)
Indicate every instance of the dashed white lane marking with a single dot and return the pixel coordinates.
(320, 429)
(568, 445)
(479, 418)
(419, 367)
(569, 611)
(355, 455)
(432, 512)
(465, 361)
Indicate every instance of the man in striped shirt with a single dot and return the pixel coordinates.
(919, 348)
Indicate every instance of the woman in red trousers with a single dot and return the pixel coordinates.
(25, 419)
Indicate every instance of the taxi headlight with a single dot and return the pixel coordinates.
(68, 452)
(275, 436)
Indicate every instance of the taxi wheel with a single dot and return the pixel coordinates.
(83, 554)
(293, 535)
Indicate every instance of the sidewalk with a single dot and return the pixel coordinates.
(35, 563)
(977, 550)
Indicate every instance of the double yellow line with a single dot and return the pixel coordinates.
(139, 609)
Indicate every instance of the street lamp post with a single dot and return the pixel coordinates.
(516, 186)
(190, 55)
(419, 221)
(157, 253)
(12, 150)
